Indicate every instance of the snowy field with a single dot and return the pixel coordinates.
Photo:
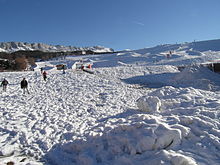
(137, 108)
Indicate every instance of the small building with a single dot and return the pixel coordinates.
(61, 66)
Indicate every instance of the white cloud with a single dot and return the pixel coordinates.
(138, 23)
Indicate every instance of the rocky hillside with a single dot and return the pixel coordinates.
(17, 46)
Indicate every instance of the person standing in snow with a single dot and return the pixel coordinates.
(45, 75)
(4, 84)
(63, 67)
(24, 85)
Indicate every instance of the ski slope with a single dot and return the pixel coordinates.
(137, 108)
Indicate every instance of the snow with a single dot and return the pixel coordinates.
(149, 103)
(137, 108)
(2, 50)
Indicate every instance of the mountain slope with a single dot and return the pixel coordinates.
(16, 46)
(213, 45)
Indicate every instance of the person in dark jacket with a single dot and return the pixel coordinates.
(24, 85)
(45, 75)
(63, 67)
(4, 84)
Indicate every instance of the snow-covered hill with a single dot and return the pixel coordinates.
(199, 46)
(137, 108)
(16, 46)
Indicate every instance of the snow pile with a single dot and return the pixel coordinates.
(125, 141)
(193, 76)
(197, 77)
(197, 110)
(149, 104)
(173, 99)
(177, 159)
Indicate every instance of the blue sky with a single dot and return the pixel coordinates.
(119, 24)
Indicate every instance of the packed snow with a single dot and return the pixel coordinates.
(138, 107)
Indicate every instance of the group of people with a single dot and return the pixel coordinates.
(24, 85)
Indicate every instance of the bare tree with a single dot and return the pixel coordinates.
(20, 63)
(31, 61)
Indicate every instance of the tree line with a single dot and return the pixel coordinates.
(20, 60)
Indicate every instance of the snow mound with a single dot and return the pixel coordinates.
(180, 99)
(199, 77)
(178, 159)
(196, 110)
(149, 104)
(123, 141)
(196, 76)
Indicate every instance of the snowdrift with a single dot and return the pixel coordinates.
(192, 76)
(198, 111)
(125, 141)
